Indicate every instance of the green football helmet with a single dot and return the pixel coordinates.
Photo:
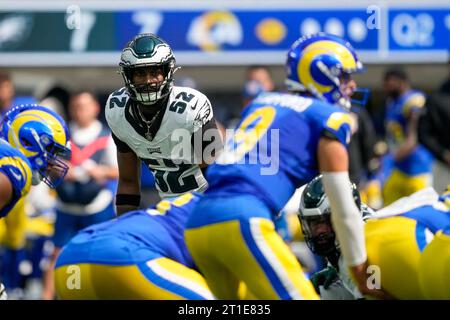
(147, 50)
(315, 218)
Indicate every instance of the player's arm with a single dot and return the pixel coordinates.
(207, 143)
(410, 142)
(129, 185)
(206, 139)
(6, 190)
(347, 221)
(411, 110)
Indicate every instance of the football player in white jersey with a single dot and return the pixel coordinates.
(170, 128)
(408, 245)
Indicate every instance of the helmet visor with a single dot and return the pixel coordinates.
(148, 81)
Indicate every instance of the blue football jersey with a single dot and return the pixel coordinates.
(397, 113)
(17, 168)
(431, 212)
(159, 228)
(430, 217)
(273, 151)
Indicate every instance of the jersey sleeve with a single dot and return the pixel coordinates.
(208, 136)
(203, 113)
(19, 174)
(116, 100)
(338, 126)
(414, 103)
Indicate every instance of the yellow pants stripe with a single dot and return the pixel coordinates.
(181, 275)
(280, 258)
(222, 253)
(89, 281)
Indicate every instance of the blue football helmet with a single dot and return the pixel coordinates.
(42, 136)
(318, 63)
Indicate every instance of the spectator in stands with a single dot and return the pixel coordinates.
(6, 91)
(258, 80)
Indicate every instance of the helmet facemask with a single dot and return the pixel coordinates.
(319, 234)
(345, 90)
(316, 65)
(46, 161)
(351, 96)
(55, 171)
(48, 165)
(149, 93)
(315, 218)
(147, 50)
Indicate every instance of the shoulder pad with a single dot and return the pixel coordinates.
(198, 108)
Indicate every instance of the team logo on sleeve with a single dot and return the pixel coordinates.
(339, 119)
(17, 176)
(203, 115)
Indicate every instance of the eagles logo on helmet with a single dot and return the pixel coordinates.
(315, 218)
(147, 51)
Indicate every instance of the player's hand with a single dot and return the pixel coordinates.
(324, 278)
(97, 173)
(360, 276)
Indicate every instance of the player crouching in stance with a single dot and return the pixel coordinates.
(33, 142)
(408, 245)
(140, 255)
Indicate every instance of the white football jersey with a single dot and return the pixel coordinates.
(169, 154)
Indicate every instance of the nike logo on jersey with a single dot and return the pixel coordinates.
(194, 106)
(203, 115)
(17, 176)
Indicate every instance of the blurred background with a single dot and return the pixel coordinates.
(53, 50)
(76, 44)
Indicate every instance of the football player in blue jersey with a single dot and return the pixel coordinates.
(408, 244)
(412, 162)
(282, 142)
(140, 255)
(33, 143)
